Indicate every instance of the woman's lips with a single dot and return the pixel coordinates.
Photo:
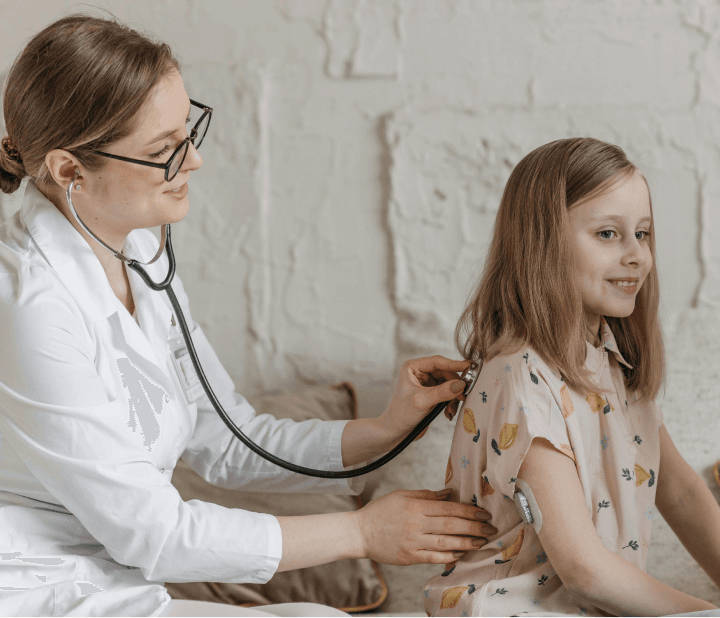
(180, 192)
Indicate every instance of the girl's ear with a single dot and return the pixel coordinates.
(62, 166)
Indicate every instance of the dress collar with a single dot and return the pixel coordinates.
(609, 343)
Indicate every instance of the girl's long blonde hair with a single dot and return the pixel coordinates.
(527, 293)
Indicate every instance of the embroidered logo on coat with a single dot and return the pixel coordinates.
(145, 401)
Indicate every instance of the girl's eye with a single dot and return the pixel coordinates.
(155, 155)
(644, 235)
(605, 234)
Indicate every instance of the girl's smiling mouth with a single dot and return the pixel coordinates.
(627, 285)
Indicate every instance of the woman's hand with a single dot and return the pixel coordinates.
(414, 527)
(422, 384)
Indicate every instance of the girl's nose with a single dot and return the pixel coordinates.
(636, 252)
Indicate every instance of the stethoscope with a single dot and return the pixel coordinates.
(469, 376)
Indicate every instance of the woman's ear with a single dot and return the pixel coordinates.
(62, 166)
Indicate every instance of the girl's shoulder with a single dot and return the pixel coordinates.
(518, 358)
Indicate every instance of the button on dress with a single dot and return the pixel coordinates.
(614, 441)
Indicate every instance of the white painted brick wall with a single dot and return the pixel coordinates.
(356, 159)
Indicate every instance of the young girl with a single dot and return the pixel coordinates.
(565, 325)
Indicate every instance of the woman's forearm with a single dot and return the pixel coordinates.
(366, 438)
(622, 589)
(310, 540)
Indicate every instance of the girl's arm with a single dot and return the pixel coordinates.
(689, 507)
(575, 550)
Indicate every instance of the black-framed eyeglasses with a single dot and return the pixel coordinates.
(177, 158)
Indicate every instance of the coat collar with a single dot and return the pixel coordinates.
(79, 270)
(68, 254)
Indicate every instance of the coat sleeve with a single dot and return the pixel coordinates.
(73, 438)
(221, 459)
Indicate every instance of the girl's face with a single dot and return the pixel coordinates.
(612, 248)
(127, 196)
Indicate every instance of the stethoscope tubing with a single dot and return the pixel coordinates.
(177, 310)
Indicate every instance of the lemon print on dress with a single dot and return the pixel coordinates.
(508, 434)
(567, 405)
(451, 597)
(598, 404)
(514, 549)
(469, 424)
(448, 472)
(641, 476)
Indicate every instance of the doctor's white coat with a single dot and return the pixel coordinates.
(93, 420)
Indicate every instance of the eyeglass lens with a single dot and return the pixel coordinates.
(179, 157)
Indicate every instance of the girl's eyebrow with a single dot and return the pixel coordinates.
(617, 218)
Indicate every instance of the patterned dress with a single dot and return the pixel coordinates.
(614, 441)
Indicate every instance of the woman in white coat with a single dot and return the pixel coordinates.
(93, 416)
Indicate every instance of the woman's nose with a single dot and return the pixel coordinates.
(193, 160)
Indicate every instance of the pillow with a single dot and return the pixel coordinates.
(349, 585)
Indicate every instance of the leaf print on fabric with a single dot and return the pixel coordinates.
(626, 474)
(603, 505)
(485, 488)
(474, 500)
(534, 378)
(595, 402)
(633, 544)
(499, 591)
(451, 597)
(608, 407)
(637, 439)
(567, 405)
(448, 571)
(508, 434)
(496, 449)
(514, 549)
(526, 356)
(542, 580)
(469, 424)
(448, 472)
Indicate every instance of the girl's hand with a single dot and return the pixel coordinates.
(422, 384)
(414, 527)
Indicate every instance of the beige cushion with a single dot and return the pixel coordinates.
(350, 585)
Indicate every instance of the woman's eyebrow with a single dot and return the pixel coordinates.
(165, 134)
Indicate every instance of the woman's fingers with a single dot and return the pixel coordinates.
(428, 364)
(445, 543)
(436, 557)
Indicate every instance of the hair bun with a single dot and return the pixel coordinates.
(12, 170)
